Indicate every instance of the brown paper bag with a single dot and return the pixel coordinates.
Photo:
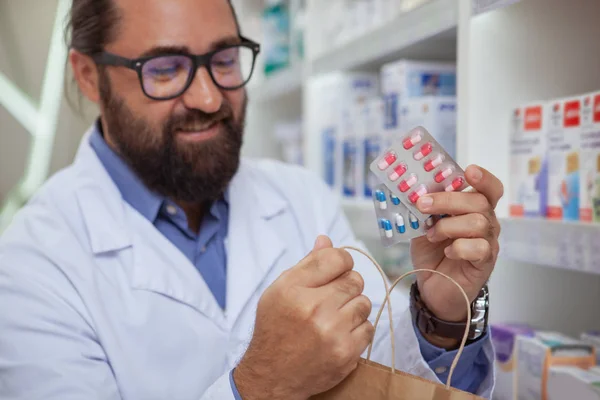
(373, 381)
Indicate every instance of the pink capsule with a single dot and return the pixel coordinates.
(455, 185)
(387, 160)
(443, 174)
(417, 194)
(407, 184)
(410, 142)
(426, 149)
(398, 172)
(433, 163)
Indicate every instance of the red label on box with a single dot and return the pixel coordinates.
(585, 214)
(597, 108)
(517, 211)
(555, 212)
(533, 118)
(572, 114)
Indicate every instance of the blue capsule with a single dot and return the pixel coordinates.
(414, 222)
(380, 197)
(395, 200)
(400, 226)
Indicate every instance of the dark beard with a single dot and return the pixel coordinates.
(193, 173)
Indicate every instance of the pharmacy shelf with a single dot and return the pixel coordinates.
(483, 6)
(283, 83)
(559, 244)
(428, 32)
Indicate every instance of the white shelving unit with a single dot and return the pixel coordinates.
(428, 32)
(508, 52)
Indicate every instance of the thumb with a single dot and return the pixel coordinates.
(322, 242)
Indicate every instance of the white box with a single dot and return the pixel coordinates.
(335, 98)
(528, 186)
(504, 338)
(404, 79)
(589, 187)
(563, 136)
(593, 338)
(437, 114)
(547, 349)
(573, 383)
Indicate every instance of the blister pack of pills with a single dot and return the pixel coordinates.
(395, 221)
(415, 166)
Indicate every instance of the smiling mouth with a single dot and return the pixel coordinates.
(199, 131)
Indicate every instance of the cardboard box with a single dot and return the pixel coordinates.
(504, 338)
(437, 114)
(406, 79)
(528, 185)
(572, 383)
(536, 355)
(589, 199)
(593, 338)
(563, 136)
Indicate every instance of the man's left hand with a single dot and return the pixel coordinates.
(463, 245)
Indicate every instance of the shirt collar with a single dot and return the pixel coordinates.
(133, 190)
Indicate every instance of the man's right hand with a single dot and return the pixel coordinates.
(311, 329)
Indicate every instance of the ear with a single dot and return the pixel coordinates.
(85, 72)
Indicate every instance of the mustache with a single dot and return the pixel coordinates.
(197, 117)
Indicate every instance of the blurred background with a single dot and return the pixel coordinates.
(496, 81)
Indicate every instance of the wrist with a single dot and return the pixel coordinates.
(448, 333)
(254, 383)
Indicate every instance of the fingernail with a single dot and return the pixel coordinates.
(448, 251)
(476, 175)
(425, 203)
(430, 233)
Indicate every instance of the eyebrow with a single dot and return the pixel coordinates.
(160, 50)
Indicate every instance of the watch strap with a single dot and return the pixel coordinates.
(429, 324)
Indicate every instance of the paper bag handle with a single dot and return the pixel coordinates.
(389, 289)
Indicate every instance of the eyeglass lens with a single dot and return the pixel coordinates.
(167, 76)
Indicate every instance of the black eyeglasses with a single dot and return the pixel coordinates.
(165, 77)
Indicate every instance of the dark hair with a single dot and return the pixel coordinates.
(92, 24)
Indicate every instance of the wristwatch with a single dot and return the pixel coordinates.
(431, 325)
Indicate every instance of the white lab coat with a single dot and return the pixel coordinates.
(96, 304)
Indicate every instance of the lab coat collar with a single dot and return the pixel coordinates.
(100, 201)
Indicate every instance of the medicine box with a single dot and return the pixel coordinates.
(504, 338)
(536, 355)
(589, 186)
(437, 114)
(528, 185)
(404, 79)
(563, 136)
(593, 338)
(334, 97)
(573, 383)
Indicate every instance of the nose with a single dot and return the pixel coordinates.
(203, 94)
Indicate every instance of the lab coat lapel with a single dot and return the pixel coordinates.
(253, 247)
(118, 234)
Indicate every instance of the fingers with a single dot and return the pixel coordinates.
(342, 290)
(356, 312)
(485, 183)
(362, 336)
(458, 203)
(477, 251)
(462, 226)
(322, 267)
(322, 242)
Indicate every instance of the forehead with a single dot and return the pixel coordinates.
(195, 24)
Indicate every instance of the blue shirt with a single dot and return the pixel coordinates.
(206, 250)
